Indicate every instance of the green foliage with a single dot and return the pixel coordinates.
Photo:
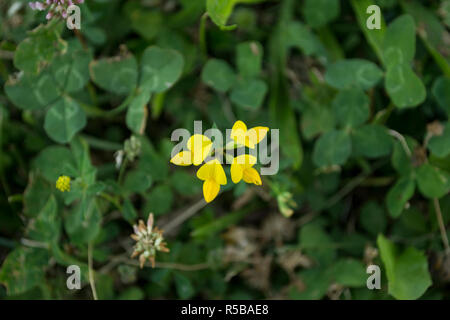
(249, 94)
(220, 11)
(218, 75)
(333, 148)
(320, 12)
(407, 270)
(404, 87)
(39, 49)
(373, 219)
(351, 108)
(46, 226)
(432, 182)
(355, 73)
(64, 119)
(399, 43)
(441, 92)
(249, 59)
(398, 195)
(160, 69)
(349, 272)
(440, 145)
(117, 75)
(18, 279)
(247, 90)
(371, 141)
(317, 244)
(364, 149)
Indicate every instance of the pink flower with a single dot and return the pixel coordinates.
(55, 8)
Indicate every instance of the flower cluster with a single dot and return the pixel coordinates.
(54, 8)
(212, 173)
(63, 183)
(148, 241)
(131, 150)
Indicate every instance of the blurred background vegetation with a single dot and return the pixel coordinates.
(364, 148)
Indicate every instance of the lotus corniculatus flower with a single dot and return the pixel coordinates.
(149, 240)
(249, 138)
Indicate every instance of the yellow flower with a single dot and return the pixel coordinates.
(63, 183)
(241, 168)
(199, 147)
(249, 138)
(214, 176)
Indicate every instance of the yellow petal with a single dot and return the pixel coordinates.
(238, 132)
(219, 174)
(239, 125)
(237, 171)
(210, 190)
(182, 159)
(255, 136)
(204, 173)
(212, 170)
(200, 147)
(245, 160)
(197, 142)
(205, 152)
(252, 176)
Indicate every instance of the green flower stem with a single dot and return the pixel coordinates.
(383, 115)
(92, 92)
(95, 111)
(157, 104)
(202, 35)
(331, 42)
(91, 271)
(122, 106)
(112, 200)
(81, 39)
(378, 182)
(122, 171)
(15, 198)
(101, 144)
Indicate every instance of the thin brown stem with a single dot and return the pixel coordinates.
(402, 141)
(186, 214)
(440, 220)
(6, 54)
(81, 39)
(167, 265)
